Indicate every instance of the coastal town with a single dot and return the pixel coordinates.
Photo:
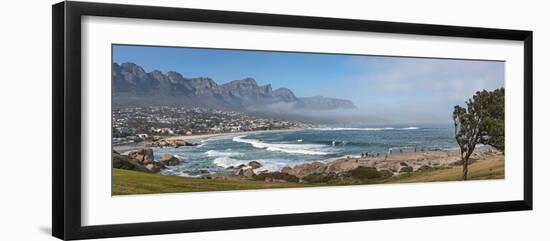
(135, 124)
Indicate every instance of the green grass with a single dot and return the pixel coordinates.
(490, 168)
(133, 182)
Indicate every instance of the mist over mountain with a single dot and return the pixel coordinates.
(131, 85)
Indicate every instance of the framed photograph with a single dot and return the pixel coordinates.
(170, 120)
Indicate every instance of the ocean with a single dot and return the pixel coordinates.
(276, 149)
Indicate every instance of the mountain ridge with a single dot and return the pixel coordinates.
(132, 84)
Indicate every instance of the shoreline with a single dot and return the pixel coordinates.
(393, 164)
(207, 136)
(127, 147)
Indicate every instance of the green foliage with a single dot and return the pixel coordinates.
(492, 126)
(406, 169)
(481, 122)
(319, 178)
(365, 173)
(122, 162)
(386, 173)
(276, 175)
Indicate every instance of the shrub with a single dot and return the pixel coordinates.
(386, 173)
(319, 178)
(365, 173)
(406, 169)
(276, 175)
(425, 168)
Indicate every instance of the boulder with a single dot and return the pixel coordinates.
(248, 173)
(245, 173)
(307, 169)
(171, 143)
(152, 167)
(143, 156)
(169, 160)
(254, 164)
(239, 172)
(124, 162)
(286, 169)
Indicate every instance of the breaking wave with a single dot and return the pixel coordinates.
(271, 165)
(215, 153)
(227, 162)
(365, 128)
(306, 149)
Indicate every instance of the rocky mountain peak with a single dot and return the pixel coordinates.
(130, 80)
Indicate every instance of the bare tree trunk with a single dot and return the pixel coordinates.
(464, 169)
(465, 161)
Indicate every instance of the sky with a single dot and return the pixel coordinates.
(397, 89)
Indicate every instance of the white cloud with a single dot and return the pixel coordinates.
(416, 89)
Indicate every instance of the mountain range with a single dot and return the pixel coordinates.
(131, 85)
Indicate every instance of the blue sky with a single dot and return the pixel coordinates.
(398, 89)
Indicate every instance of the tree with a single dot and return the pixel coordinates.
(481, 122)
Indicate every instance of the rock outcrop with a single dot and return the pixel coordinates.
(143, 160)
(169, 160)
(254, 165)
(170, 143)
(306, 169)
(143, 156)
(124, 162)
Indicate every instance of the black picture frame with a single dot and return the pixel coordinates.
(66, 75)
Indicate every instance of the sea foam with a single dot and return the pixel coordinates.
(270, 165)
(215, 153)
(306, 149)
(365, 128)
(226, 162)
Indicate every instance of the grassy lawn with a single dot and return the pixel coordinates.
(133, 182)
(491, 168)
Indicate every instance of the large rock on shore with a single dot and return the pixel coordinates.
(169, 160)
(248, 173)
(143, 156)
(154, 167)
(124, 162)
(141, 160)
(245, 173)
(254, 164)
(305, 169)
(171, 143)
